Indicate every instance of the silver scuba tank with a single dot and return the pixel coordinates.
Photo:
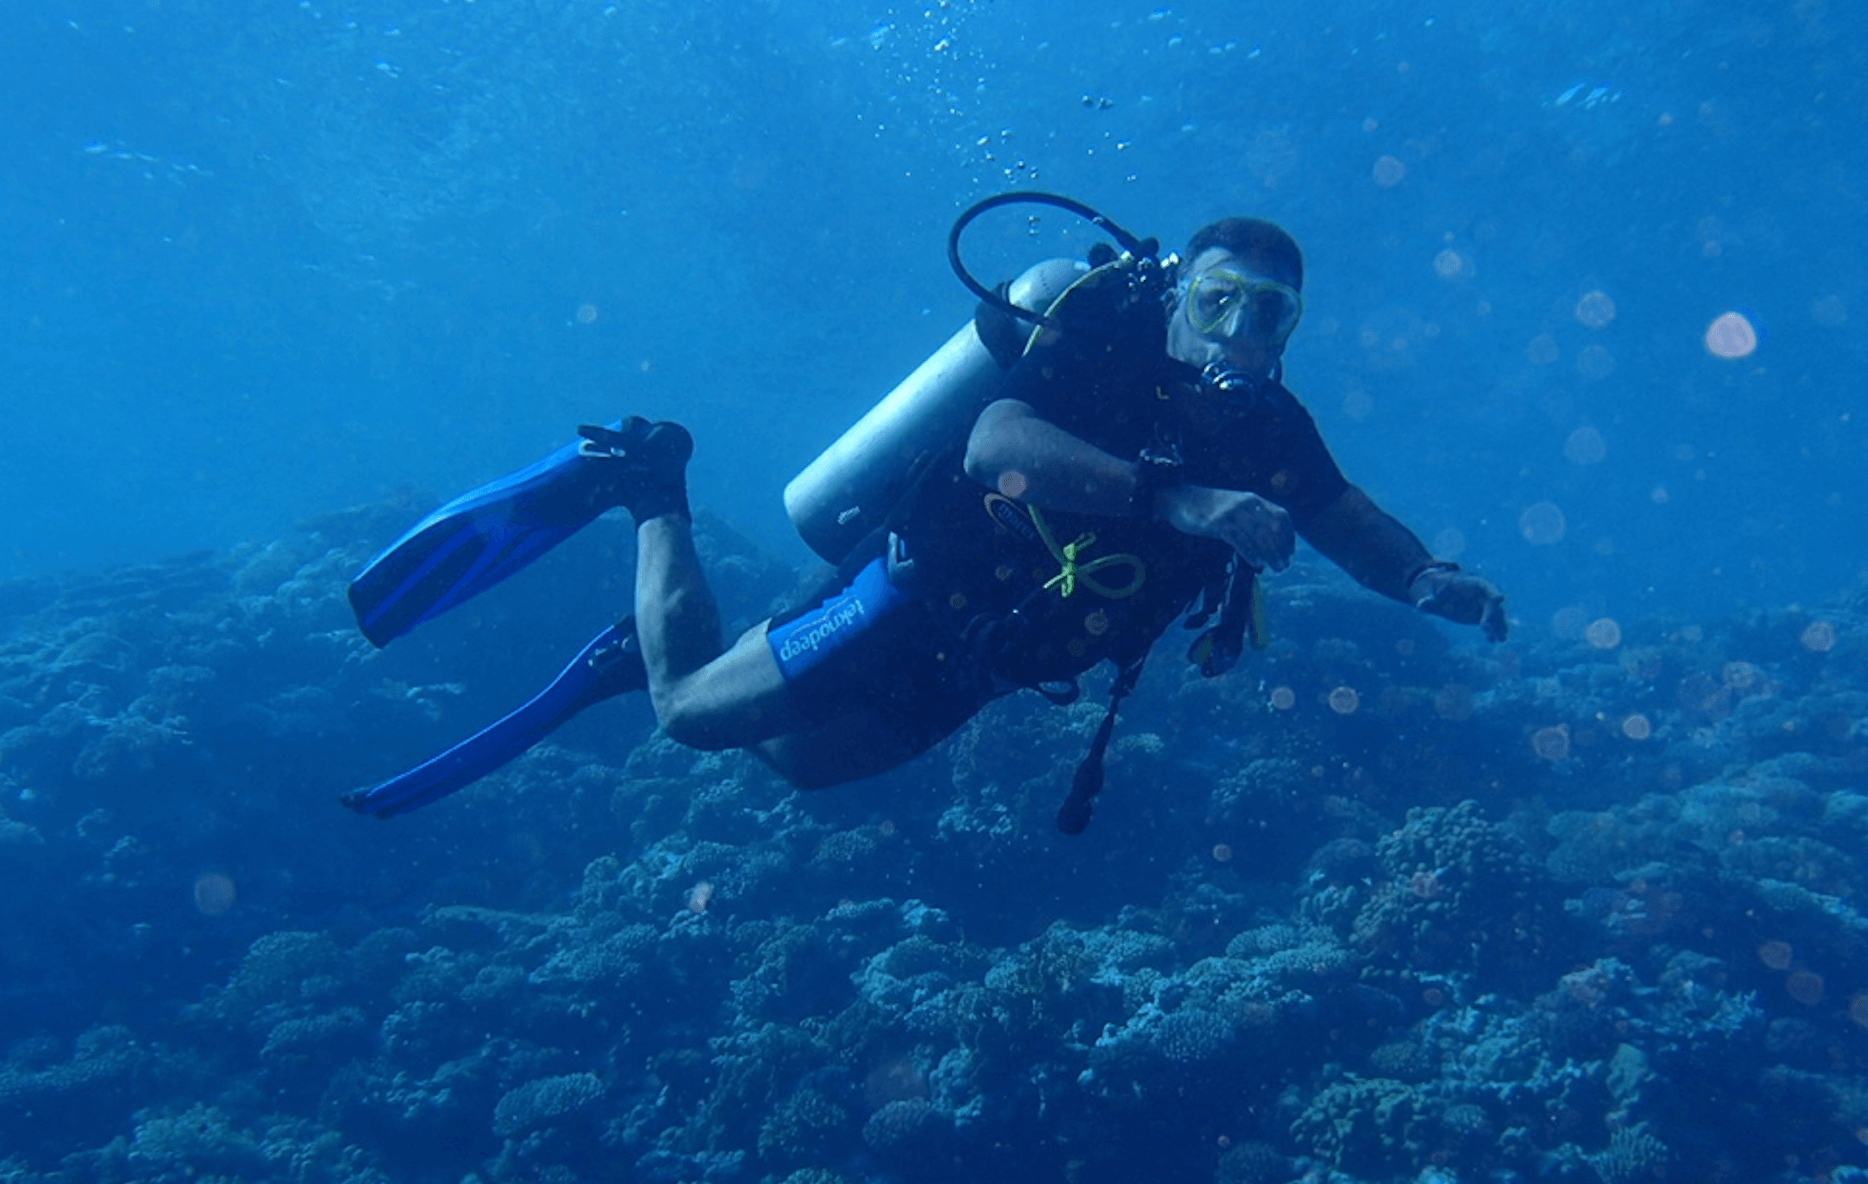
(848, 491)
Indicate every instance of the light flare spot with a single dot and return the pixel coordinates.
(1731, 336)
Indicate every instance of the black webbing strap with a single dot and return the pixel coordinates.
(1074, 815)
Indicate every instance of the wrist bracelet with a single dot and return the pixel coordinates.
(1436, 565)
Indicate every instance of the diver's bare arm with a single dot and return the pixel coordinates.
(1025, 456)
(1367, 542)
(1016, 451)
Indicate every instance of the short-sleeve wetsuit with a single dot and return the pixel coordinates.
(982, 594)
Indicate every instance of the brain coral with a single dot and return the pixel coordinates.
(547, 1101)
(907, 1128)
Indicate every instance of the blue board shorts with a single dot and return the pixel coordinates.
(866, 646)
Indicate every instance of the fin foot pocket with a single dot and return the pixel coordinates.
(610, 665)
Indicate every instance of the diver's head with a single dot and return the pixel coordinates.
(1237, 298)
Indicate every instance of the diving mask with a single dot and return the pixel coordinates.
(1225, 304)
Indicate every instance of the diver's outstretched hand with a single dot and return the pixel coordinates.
(1258, 530)
(1461, 598)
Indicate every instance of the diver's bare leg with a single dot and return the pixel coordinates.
(846, 749)
(706, 695)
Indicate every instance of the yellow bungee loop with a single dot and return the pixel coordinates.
(1072, 570)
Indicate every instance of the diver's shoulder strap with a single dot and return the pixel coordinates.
(1124, 296)
(1002, 334)
(1104, 297)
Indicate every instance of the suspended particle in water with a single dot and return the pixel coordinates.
(1776, 954)
(1637, 727)
(1552, 744)
(1542, 350)
(1605, 633)
(1740, 675)
(1819, 637)
(1345, 700)
(1455, 701)
(215, 894)
(1805, 986)
(1731, 336)
(1542, 524)
(1222, 853)
(1389, 172)
(1585, 446)
(1596, 309)
(1595, 362)
(1569, 622)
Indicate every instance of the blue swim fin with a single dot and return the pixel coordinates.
(610, 665)
(479, 539)
(490, 533)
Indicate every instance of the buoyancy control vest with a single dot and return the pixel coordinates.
(859, 489)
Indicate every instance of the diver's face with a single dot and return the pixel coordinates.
(1228, 311)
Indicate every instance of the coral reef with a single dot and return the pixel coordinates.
(1470, 921)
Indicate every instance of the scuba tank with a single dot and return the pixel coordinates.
(848, 492)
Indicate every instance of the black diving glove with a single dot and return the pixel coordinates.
(1446, 591)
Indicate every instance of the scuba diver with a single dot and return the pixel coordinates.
(1107, 447)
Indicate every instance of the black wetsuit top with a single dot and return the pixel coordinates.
(980, 566)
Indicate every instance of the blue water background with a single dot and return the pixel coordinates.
(272, 260)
